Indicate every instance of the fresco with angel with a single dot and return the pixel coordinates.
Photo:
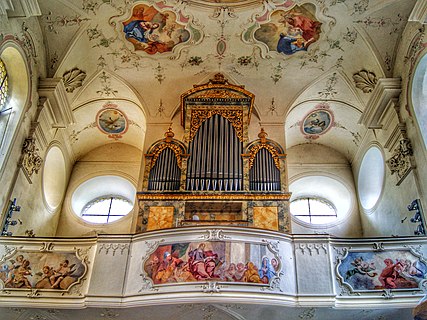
(152, 31)
(394, 269)
(218, 260)
(37, 270)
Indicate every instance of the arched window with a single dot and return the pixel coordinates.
(313, 210)
(419, 96)
(4, 114)
(106, 209)
(3, 86)
(103, 199)
(14, 93)
(320, 201)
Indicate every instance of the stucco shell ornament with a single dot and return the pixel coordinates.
(73, 79)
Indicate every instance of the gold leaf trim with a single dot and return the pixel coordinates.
(185, 197)
(234, 115)
(256, 148)
(218, 94)
(159, 149)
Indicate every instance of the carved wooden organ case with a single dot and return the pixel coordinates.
(216, 176)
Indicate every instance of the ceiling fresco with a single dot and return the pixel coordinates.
(293, 55)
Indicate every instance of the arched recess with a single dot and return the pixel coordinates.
(19, 84)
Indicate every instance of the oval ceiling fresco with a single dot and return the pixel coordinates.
(290, 31)
(152, 31)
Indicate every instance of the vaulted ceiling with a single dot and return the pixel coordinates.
(297, 57)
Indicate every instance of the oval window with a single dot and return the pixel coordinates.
(54, 177)
(371, 178)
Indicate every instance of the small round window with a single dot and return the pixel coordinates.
(313, 210)
(3, 85)
(106, 209)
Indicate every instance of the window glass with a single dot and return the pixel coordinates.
(371, 178)
(3, 85)
(106, 209)
(313, 210)
(419, 96)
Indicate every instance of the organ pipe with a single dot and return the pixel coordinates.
(165, 175)
(215, 161)
(264, 175)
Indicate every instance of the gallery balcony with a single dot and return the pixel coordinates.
(212, 264)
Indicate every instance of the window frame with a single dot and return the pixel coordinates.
(109, 198)
(310, 215)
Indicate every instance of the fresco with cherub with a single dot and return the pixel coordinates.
(397, 269)
(37, 270)
(152, 31)
(291, 31)
(220, 261)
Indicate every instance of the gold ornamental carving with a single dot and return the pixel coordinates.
(218, 94)
(212, 196)
(159, 149)
(256, 148)
(235, 116)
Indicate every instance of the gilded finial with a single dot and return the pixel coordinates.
(169, 135)
(263, 136)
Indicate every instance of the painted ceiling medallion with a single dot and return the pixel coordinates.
(112, 121)
(317, 122)
(152, 31)
(290, 31)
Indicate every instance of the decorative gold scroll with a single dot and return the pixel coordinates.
(254, 150)
(234, 115)
(218, 88)
(218, 94)
(150, 196)
(159, 149)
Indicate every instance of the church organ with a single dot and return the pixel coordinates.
(215, 176)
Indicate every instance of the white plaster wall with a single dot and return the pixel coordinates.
(34, 215)
(314, 159)
(406, 72)
(389, 216)
(111, 159)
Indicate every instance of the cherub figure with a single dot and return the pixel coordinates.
(15, 265)
(60, 273)
(47, 273)
(20, 277)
